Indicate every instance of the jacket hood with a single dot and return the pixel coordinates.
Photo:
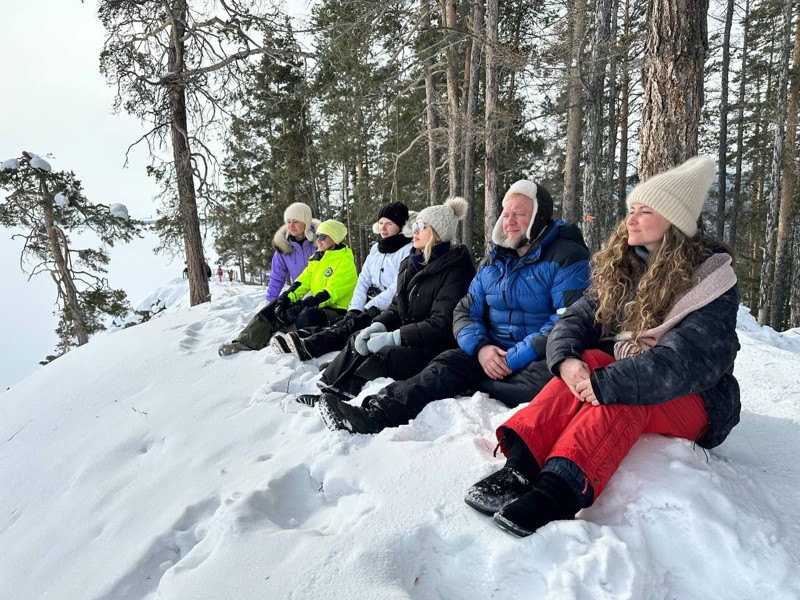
(281, 238)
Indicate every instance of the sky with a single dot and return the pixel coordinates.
(143, 465)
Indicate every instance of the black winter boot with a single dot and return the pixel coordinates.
(498, 489)
(551, 499)
(509, 483)
(339, 415)
(297, 346)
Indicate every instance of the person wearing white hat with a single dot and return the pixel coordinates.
(648, 349)
(536, 268)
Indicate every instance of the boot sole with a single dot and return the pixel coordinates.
(279, 345)
(331, 418)
(510, 526)
(481, 508)
(298, 352)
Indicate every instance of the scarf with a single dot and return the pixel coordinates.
(391, 244)
(438, 250)
(715, 277)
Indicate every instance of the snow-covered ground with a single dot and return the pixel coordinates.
(142, 465)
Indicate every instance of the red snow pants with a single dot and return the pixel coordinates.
(597, 438)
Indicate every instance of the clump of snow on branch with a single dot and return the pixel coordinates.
(12, 164)
(119, 210)
(37, 162)
(61, 200)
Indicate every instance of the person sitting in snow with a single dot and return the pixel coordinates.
(536, 268)
(374, 290)
(294, 245)
(318, 297)
(648, 349)
(418, 324)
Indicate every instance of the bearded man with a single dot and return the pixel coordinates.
(534, 270)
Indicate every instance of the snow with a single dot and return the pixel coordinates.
(119, 210)
(142, 465)
(37, 162)
(61, 200)
(11, 164)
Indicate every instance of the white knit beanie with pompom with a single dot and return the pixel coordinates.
(445, 217)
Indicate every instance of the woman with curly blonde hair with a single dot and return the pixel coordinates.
(648, 349)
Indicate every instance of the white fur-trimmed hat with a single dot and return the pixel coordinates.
(300, 211)
(444, 218)
(542, 207)
(678, 194)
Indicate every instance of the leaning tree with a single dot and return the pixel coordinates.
(47, 207)
(175, 64)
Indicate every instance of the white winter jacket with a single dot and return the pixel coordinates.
(379, 270)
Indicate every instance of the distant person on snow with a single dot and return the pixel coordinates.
(418, 324)
(208, 270)
(374, 290)
(648, 349)
(219, 274)
(319, 296)
(536, 267)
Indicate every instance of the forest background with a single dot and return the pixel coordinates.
(372, 102)
(248, 107)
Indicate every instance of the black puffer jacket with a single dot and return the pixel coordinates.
(695, 356)
(422, 307)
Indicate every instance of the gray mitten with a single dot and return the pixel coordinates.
(363, 337)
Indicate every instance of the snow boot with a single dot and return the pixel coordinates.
(308, 399)
(278, 344)
(297, 346)
(339, 415)
(233, 348)
(551, 499)
(498, 489)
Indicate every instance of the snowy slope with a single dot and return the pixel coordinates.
(144, 466)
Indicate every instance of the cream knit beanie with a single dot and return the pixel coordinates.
(678, 194)
(298, 211)
(445, 217)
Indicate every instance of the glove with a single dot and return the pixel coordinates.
(286, 315)
(316, 299)
(364, 335)
(380, 340)
(268, 312)
(284, 299)
(352, 313)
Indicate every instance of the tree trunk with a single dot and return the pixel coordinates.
(782, 249)
(182, 156)
(570, 208)
(491, 185)
(624, 107)
(594, 123)
(675, 50)
(794, 296)
(63, 276)
(471, 117)
(453, 99)
(432, 121)
(773, 200)
(607, 217)
(737, 178)
(722, 161)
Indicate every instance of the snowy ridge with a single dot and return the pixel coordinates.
(142, 465)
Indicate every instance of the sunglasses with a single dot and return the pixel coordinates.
(418, 226)
(321, 237)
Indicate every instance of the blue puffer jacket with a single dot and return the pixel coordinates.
(514, 301)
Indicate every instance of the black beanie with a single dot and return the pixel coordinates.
(396, 212)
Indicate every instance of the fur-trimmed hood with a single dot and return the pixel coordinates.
(281, 238)
(406, 231)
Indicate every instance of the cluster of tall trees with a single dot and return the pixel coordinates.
(370, 101)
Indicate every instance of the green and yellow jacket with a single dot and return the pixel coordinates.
(333, 271)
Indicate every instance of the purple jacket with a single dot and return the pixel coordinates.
(290, 258)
